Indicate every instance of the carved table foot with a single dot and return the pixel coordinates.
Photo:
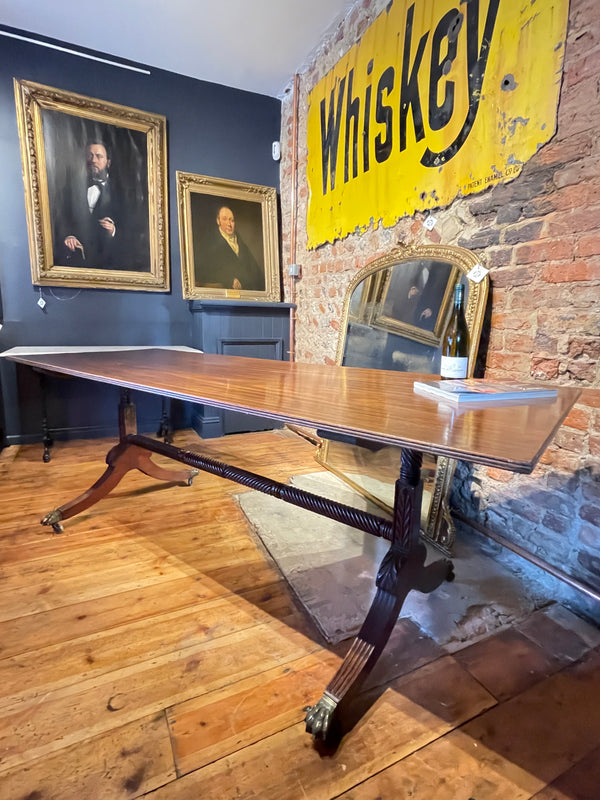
(318, 717)
(48, 442)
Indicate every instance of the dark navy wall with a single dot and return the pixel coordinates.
(211, 130)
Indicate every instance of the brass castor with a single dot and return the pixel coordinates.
(54, 518)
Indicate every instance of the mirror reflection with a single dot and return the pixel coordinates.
(395, 312)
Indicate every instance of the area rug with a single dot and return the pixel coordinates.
(332, 568)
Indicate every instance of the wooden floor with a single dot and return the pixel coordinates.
(153, 649)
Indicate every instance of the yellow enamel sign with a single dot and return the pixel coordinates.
(438, 99)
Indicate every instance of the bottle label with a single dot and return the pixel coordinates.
(454, 367)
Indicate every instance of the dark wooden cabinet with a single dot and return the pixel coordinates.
(238, 328)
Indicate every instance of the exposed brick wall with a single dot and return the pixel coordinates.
(539, 235)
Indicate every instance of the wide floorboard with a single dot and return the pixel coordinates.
(153, 648)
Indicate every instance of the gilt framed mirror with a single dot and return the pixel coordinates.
(395, 311)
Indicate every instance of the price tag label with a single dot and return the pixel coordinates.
(478, 273)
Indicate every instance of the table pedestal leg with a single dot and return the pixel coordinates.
(122, 458)
(402, 569)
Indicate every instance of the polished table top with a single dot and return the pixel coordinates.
(374, 404)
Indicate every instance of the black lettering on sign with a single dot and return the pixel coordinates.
(384, 115)
(409, 87)
(441, 95)
(476, 64)
(352, 113)
(447, 28)
(330, 135)
(366, 120)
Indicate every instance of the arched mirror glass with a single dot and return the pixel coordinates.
(395, 312)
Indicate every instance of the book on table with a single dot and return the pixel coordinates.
(480, 391)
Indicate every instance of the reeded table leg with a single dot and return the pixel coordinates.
(402, 569)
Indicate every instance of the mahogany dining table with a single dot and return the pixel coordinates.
(376, 405)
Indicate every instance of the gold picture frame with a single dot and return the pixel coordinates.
(111, 236)
(228, 239)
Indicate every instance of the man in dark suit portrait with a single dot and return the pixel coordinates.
(226, 261)
(91, 228)
(416, 292)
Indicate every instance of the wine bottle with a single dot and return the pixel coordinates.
(455, 341)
